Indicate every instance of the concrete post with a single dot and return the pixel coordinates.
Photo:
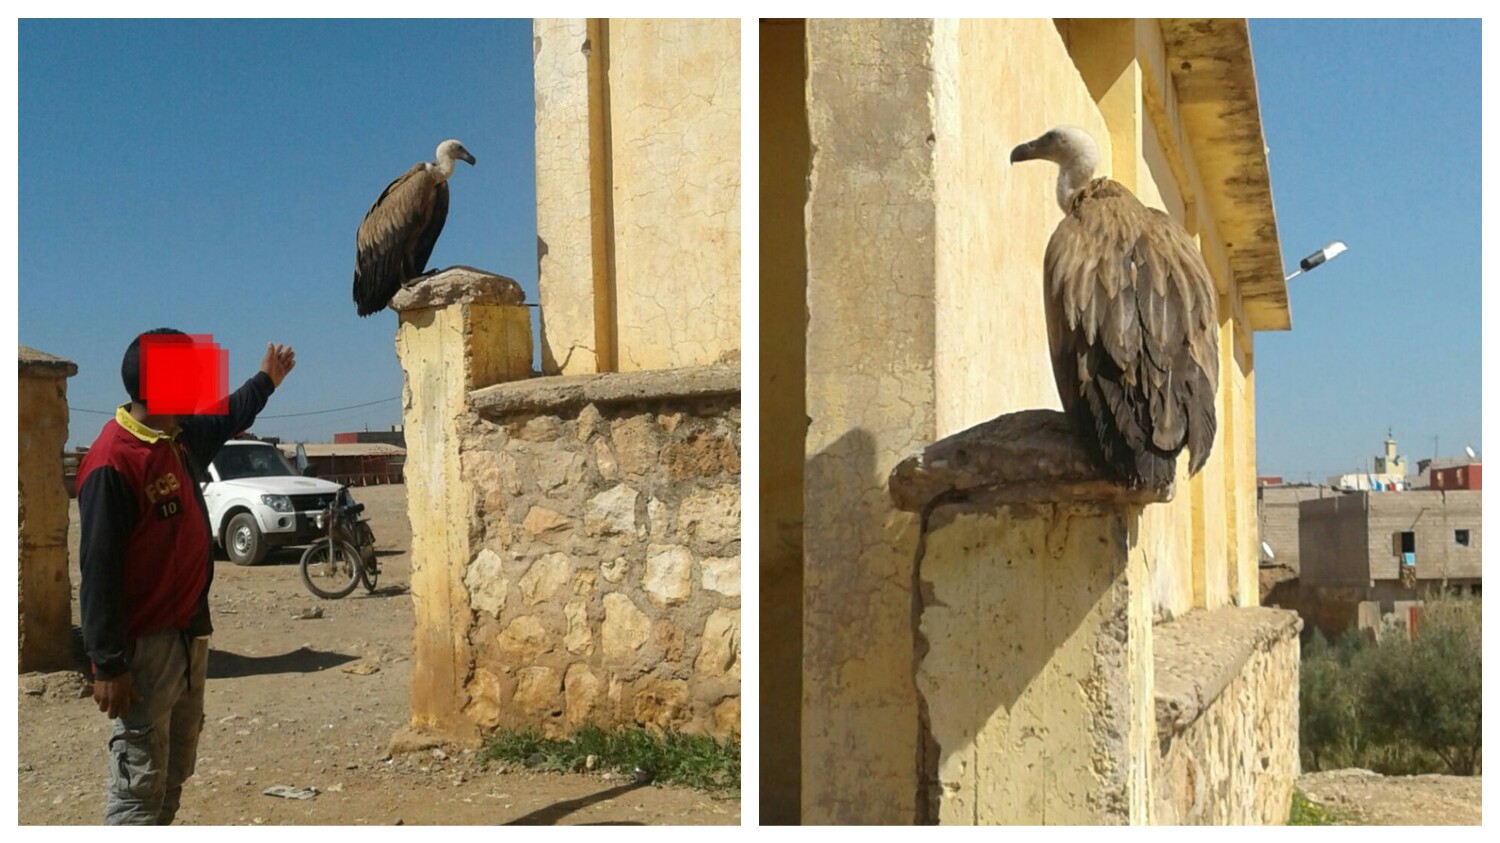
(1033, 639)
(46, 620)
(459, 330)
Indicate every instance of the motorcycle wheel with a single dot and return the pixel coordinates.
(331, 570)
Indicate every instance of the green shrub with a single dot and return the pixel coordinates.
(1402, 707)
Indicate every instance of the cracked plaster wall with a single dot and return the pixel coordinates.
(673, 176)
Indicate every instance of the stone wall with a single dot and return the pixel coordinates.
(1227, 684)
(44, 610)
(605, 587)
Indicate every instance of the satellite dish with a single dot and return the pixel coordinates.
(1470, 451)
(1267, 549)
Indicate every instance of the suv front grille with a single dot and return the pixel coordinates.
(312, 503)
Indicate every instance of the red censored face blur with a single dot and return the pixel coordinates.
(184, 375)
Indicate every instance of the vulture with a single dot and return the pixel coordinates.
(397, 236)
(1131, 321)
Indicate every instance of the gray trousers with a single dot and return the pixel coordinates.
(154, 747)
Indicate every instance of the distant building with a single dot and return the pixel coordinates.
(395, 436)
(1465, 477)
(1388, 474)
(1364, 555)
(1278, 514)
(354, 463)
(1272, 480)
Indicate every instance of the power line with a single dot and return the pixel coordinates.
(259, 418)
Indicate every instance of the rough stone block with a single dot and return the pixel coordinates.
(612, 512)
(545, 576)
(487, 586)
(720, 653)
(711, 515)
(722, 574)
(669, 573)
(625, 628)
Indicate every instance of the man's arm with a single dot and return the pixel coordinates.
(205, 435)
(107, 511)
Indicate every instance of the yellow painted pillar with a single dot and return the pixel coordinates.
(459, 330)
(1034, 662)
(46, 619)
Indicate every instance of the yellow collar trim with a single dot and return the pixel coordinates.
(140, 431)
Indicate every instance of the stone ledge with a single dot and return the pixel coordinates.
(558, 392)
(458, 285)
(1198, 654)
(1029, 457)
(41, 364)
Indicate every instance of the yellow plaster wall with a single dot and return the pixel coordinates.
(638, 192)
(674, 104)
(565, 203)
(924, 252)
(994, 219)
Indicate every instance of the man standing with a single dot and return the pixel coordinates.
(146, 560)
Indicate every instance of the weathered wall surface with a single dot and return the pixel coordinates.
(1278, 514)
(674, 104)
(638, 192)
(571, 194)
(604, 584)
(44, 612)
(1039, 656)
(1334, 541)
(1227, 708)
(870, 400)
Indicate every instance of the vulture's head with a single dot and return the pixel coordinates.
(452, 150)
(1072, 150)
(1068, 147)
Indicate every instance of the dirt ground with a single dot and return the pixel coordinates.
(296, 702)
(1360, 797)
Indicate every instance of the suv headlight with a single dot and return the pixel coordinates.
(280, 503)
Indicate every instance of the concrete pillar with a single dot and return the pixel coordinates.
(1033, 647)
(46, 620)
(459, 330)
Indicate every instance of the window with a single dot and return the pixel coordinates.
(1461, 537)
(1404, 543)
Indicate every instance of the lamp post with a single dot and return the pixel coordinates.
(1320, 257)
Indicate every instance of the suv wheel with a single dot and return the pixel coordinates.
(243, 541)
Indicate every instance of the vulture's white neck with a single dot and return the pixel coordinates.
(443, 168)
(1073, 176)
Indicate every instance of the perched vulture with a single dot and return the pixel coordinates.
(403, 225)
(1131, 320)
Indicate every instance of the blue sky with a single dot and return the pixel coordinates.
(209, 176)
(1375, 137)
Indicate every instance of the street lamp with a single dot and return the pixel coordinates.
(1320, 257)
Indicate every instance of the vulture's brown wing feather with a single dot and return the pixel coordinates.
(1133, 339)
(387, 239)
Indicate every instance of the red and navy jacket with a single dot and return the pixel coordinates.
(146, 548)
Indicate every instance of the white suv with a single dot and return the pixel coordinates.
(257, 501)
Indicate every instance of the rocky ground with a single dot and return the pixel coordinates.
(1360, 797)
(313, 704)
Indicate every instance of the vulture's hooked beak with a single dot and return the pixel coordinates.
(468, 157)
(1025, 152)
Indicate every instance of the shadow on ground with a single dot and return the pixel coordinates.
(551, 814)
(223, 664)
